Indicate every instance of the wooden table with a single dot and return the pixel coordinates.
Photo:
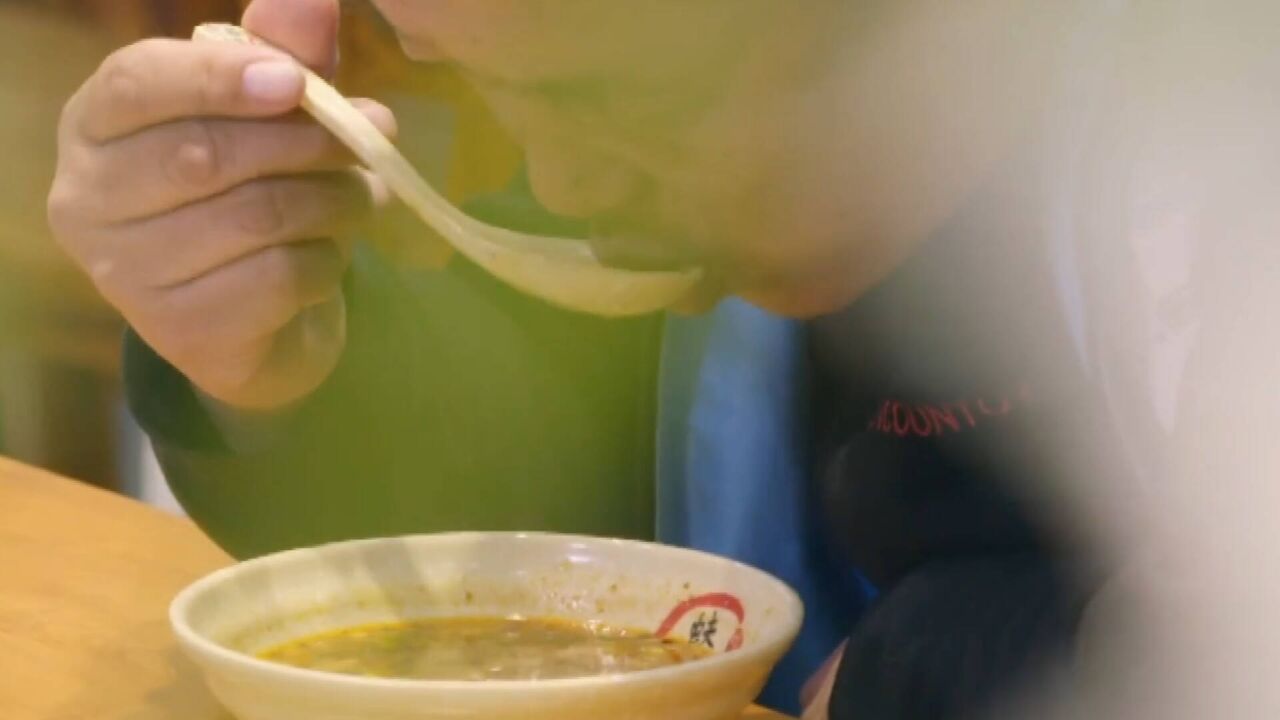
(85, 582)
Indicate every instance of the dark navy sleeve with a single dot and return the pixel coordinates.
(950, 400)
(954, 636)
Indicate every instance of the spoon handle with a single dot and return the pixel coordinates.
(333, 111)
(561, 271)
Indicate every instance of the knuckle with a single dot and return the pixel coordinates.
(75, 202)
(123, 75)
(199, 158)
(61, 209)
(212, 89)
(70, 214)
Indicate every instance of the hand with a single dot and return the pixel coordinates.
(816, 695)
(209, 211)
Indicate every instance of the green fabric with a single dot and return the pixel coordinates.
(458, 405)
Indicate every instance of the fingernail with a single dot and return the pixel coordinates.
(273, 81)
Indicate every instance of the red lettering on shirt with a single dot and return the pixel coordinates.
(943, 418)
(901, 419)
(924, 420)
(924, 428)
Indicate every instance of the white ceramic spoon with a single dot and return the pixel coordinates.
(561, 271)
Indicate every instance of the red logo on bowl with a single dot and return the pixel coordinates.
(715, 620)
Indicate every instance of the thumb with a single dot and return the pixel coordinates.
(306, 29)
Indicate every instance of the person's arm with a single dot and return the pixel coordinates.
(976, 604)
(957, 638)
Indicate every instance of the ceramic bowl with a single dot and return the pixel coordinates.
(747, 617)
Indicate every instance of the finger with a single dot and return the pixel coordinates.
(306, 29)
(249, 299)
(817, 708)
(813, 688)
(177, 247)
(184, 161)
(155, 81)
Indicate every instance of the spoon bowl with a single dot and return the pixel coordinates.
(562, 271)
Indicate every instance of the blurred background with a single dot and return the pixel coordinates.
(61, 400)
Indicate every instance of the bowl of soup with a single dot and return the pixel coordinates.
(492, 626)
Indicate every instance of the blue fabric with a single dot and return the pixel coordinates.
(733, 469)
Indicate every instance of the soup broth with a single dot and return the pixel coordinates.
(484, 649)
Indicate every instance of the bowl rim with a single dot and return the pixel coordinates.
(793, 618)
